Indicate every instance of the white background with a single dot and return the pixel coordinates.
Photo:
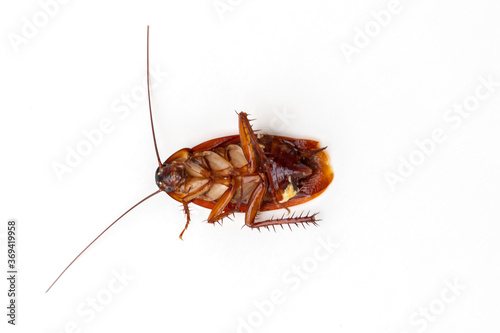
(398, 248)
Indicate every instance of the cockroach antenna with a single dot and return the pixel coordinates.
(141, 201)
(149, 99)
(85, 249)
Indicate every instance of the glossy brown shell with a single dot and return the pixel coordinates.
(306, 152)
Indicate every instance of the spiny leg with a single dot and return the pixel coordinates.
(249, 143)
(254, 203)
(187, 199)
(254, 206)
(254, 154)
(188, 217)
(221, 205)
(297, 220)
(244, 186)
(221, 216)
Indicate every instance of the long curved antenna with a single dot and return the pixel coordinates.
(85, 249)
(149, 99)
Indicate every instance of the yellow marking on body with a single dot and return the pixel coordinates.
(289, 192)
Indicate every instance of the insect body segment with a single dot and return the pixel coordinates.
(247, 173)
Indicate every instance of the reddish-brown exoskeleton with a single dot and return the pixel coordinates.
(245, 173)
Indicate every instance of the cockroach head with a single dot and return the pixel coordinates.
(169, 176)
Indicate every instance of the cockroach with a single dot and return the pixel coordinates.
(243, 173)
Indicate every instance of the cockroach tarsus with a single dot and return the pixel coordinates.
(244, 173)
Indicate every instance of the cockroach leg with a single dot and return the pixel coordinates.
(219, 218)
(290, 220)
(221, 205)
(193, 194)
(254, 203)
(249, 143)
(188, 217)
(255, 156)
